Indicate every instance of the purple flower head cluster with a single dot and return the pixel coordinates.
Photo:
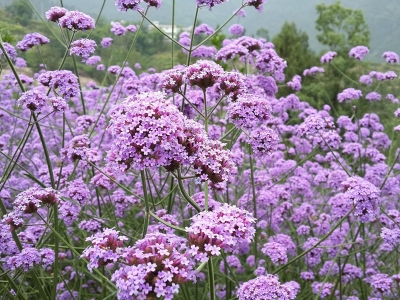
(203, 29)
(203, 73)
(32, 199)
(93, 60)
(233, 85)
(118, 29)
(131, 28)
(213, 163)
(391, 57)
(172, 80)
(204, 52)
(157, 264)
(263, 140)
(324, 289)
(256, 3)
(366, 79)
(328, 57)
(33, 100)
(10, 50)
(364, 196)
(78, 148)
(78, 191)
(106, 42)
(236, 29)
(55, 13)
(249, 110)
(314, 125)
(268, 61)
(63, 82)
(209, 3)
(105, 249)
(76, 21)
(267, 287)
(154, 3)
(349, 94)
(224, 228)
(32, 39)
(373, 96)
(295, 84)
(358, 52)
(124, 5)
(381, 283)
(276, 252)
(59, 104)
(27, 259)
(313, 71)
(83, 47)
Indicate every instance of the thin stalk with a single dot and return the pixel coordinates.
(211, 282)
(166, 223)
(185, 194)
(146, 202)
(253, 190)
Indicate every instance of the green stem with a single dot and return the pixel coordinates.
(185, 194)
(211, 282)
(146, 202)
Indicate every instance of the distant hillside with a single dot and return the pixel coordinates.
(382, 17)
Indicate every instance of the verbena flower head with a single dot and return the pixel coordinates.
(33, 100)
(59, 104)
(268, 61)
(391, 57)
(154, 3)
(236, 29)
(146, 129)
(381, 283)
(256, 3)
(106, 42)
(203, 73)
(203, 29)
(55, 13)
(64, 82)
(373, 96)
(263, 140)
(157, 264)
(233, 85)
(105, 249)
(10, 50)
(328, 57)
(76, 21)
(209, 3)
(32, 39)
(172, 80)
(364, 196)
(266, 287)
(118, 29)
(314, 125)
(124, 5)
(313, 71)
(276, 252)
(249, 110)
(32, 199)
(224, 228)
(295, 84)
(366, 79)
(349, 94)
(213, 163)
(82, 47)
(27, 259)
(359, 52)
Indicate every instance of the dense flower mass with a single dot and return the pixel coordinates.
(203, 74)
(64, 82)
(76, 21)
(124, 5)
(33, 100)
(32, 39)
(83, 47)
(349, 94)
(267, 287)
(359, 52)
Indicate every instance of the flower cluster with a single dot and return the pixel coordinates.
(82, 47)
(33, 100)
(32, 39)
(31, 200)
(63, 82)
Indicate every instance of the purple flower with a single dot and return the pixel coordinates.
(230, 51)
(30, 200)
(204, 51)
(313, 71)
(55, 13)
(172, 80)
(263, 140)
(64, 82)
(124, 5)
(236, 29)
(209, 3)
(131, 28)
(358, 52)
(34, 100)
(324, 289)
(106, 42)
(381, 283)
(78, 191)
(373, 96)
(391, 57)
(349, 94)
(203, 73)
(10, 50)
(366, 79)
(233, 85)
(256, 3)
(59, 104)
(364, 196)
(154, 3)
(226, 227)
(314, 125)
(249, 110)
(32, 39)
(328, 57)
(268, 61)
(118, 29)
(295, 84)
(93, 60)
(27, 259)
(266, 287)
(203, 29)
(76, 21)
(276, 252)
(82, 47)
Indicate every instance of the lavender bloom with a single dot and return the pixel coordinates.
(10, 50)
(76, 21)
(93, 60)
(391, 236)
(32, 39)
(295, 84)
(118, 29)
(154, 3)
(323, 289)
(313, 258)
(172, 80)
(203, 29)
(64, 82)
(328, 57)
(266, 287)
(82, 47)
(373, 96)
(31, 200)
(34, 100)
(313, 71)
(47, 256)
(268, 61)
(105, 249)
(349, 94)
(78, 191)
(203, 74)
(358, 52)
(209, 3)
(249, 110)
(276, 252)
(314, 125)
(59, 104)
(263, 140)
(391, 57)
(236, 29)
(132, 28)
(27, 259)
(230, 51)
(124, 5)
(204, 52)
(55, 13)
(366, 79)
(381, 283)
(106, 42)
(77, 148)
(225, 228)
(20, 62)
(233, 85)
(364, 196)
